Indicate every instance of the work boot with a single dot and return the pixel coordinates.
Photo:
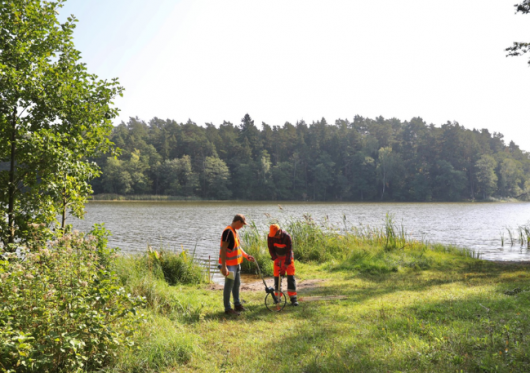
(240, 308)
(294, 301)
(232, 312)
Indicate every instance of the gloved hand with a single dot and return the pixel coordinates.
(287, 262)
(274, 257)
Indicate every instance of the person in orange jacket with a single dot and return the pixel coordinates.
(281, 251)
(230, 257)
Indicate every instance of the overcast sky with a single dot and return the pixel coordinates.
(215, 60)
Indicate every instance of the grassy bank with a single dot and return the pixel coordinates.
(409, 307)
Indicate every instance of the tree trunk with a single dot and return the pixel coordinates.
(294, 178)
(11, 188)
(384, 184)
(472, 186)
(63, 222)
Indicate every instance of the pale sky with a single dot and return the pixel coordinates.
(215, 60)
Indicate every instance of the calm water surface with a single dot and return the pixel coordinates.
(198, 225)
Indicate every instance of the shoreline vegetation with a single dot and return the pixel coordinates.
(409, 306)
(148, 198)
(111, 197)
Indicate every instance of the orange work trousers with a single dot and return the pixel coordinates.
(279, 266)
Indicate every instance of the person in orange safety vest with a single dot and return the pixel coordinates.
(230, 257)
(281, 251)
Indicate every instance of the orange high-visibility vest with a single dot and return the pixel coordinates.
(234, 256)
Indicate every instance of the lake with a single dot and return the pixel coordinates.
(197, 226)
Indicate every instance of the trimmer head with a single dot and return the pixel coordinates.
(272, 302)
(269, 290)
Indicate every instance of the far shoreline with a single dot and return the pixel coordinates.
(154, 198)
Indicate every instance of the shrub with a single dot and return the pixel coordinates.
(180, 268)
(62, 308)
(165, 265)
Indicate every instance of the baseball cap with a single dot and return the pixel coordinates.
(241, 218)
(273, 230)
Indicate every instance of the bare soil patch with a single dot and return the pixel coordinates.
(507, 263)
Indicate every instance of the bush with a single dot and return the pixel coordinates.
(62, 308)
(180, 268)
(165, 265)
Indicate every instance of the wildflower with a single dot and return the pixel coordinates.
(29, 275)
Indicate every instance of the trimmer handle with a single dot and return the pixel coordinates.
(282, 268)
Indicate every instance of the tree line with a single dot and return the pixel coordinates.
(360, 160)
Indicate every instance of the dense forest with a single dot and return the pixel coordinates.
(360, 160)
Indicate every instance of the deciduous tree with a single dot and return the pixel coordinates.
(53, 116)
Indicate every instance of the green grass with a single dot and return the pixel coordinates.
(409, 308)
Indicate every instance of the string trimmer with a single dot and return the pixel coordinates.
(273, 302)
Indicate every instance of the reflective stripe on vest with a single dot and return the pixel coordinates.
(234, 256)
(280, 249)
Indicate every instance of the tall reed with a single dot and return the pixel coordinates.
(314, 242)
(255, 244)
(523, 236)
(511, 236)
